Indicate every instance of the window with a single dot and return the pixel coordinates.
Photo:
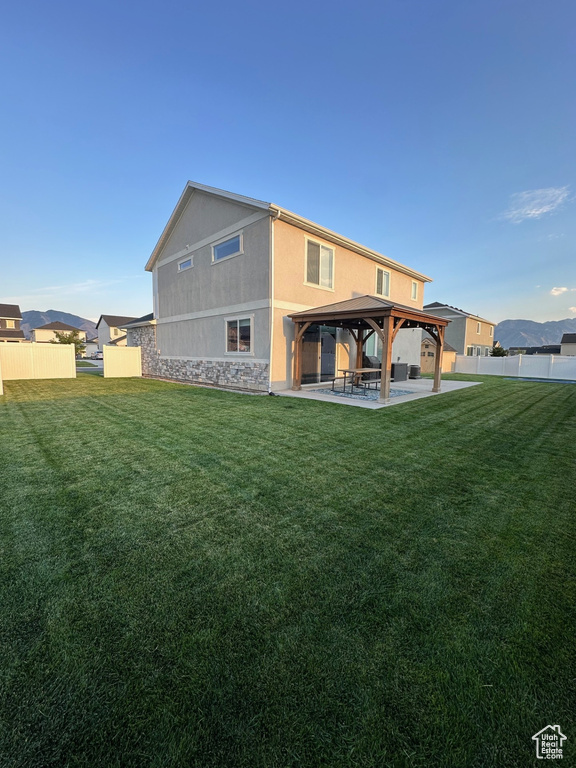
(319, 264)
(116, 331)
(470, 351)
(430, 354)
(486, 351)
(414, 294)
(491, 330)
(227, 248)
(382, 282)
(239, 335)
(186, 264)
(478, 327)
(10, 324)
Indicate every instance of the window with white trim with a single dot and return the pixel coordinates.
(382, 282)
(478, 327)
(10, 324)
(414, 294)
(470, 351)
(319, 264)
(185, 264)
(225, 249)
(239, 335)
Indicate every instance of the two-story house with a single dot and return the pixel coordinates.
(110, 331)
(10, 319)
(45, 334)
(229, 271)
(468, 334)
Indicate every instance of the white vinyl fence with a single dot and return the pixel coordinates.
(37, 361)
(122, 361)
(529, 366)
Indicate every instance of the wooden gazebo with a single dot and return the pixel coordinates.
(362, 317)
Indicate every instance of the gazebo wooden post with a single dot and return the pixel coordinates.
(299, 331)
(359, 347)
(438, 359)
(385, 375)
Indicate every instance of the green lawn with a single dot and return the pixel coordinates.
(84, 364)
(197, 578)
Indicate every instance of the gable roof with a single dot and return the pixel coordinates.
(10, 311)
(277, 212)
(568, 338)
(117, 341)
(438, 305)
(57, 326)
(446, 347)
(114, 321)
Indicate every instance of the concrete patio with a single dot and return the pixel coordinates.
(415, 389)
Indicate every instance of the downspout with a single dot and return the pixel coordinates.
(273, 218)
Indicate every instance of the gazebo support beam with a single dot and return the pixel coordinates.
(438, 359)
(385, 335)
(299, 332)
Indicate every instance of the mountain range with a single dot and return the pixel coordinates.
(528, 333)
(33, 318)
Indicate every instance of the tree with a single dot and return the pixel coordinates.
(62, 337)
(499, 352)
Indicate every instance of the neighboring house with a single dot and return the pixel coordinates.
(47, 333)
(109, 330)
(228, 271)
(91, 347)
(568, 344)
(468, 334)
(428, 356)
(546, 349)
(10, 318)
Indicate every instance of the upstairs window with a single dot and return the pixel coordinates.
(478, 327)
(382, 282)
(414, 294)
(186, 264)
(227, 248)
(319, 264)
(491, 330)
(10, 324)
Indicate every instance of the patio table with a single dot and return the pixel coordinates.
(354, 375)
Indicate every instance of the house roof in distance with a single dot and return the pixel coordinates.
(57, 326)
(568, 338)
(10, 311)
(114, 321)
(277, 212)
(144, 320)
(439, 305)
(10, 333)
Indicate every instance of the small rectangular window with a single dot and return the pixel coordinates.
(414, 294)
(491, 330)
(227, 248)
(239, 335)
(430, 354)
(186, 264)
(319, 264)
(478, 327)
(382, 282)
(10, 324)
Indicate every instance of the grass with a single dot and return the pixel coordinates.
(84, 364)
(196, 578)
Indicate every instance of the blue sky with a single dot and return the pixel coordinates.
(438, 132)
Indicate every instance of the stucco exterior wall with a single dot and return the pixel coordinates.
(568, 349)
(40, 335)
(354, 275)
(473, 338)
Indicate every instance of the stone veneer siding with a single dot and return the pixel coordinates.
(239, 374)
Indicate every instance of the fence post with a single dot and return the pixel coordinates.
(551, 367)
